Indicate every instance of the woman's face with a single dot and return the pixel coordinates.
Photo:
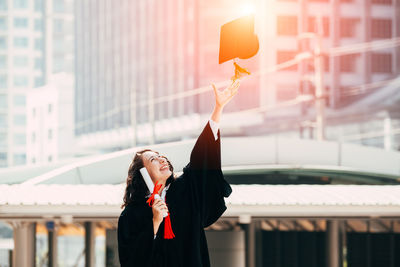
(157, 166)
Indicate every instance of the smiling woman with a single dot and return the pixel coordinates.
(193, 200)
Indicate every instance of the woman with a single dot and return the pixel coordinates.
(194, 201)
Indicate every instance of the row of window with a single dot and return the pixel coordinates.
(18, 119)
(20, 81)
(380, 62)
(380, 28)
(19, 159)
(38, 5)
(19, 101)
(20, 61)
(22, 42)
(49, 110)
(49, 135)
(23, 23)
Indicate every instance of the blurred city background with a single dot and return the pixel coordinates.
(310, 143)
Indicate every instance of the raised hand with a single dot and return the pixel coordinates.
(223, 97)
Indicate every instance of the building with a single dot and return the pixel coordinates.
(27, 59)
(124, 57)
(50, 125)
(170, 47)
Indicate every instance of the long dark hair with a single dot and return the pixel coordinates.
(136, 188)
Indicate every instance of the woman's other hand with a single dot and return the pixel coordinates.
(159, 208)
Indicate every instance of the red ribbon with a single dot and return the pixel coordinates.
(157, 188)
(168, 233)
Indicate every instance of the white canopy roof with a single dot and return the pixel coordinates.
(239, 155)
(104, 201)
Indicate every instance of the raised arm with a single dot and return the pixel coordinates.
(206, 153)
(203, 174)
(222, 98)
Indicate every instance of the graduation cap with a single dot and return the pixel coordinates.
(237, 40)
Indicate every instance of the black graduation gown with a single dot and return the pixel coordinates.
(195, 200)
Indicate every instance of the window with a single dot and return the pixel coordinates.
(20, 120)
(20, 139)
(38, 63)
(58, 5)
(50, 108)
(50, 134)
(382, 63)
(38, 5)
(20, 42)
(19, 159)
(348, 27)
(3, 4)
(21, 4)
(50, 158)
(312, 25)
(39, 44)
(33, 160)
(287, 25)
(3, 81)
(3, 23)
(348, 62)
(33, 137)
(34, 112)
(3, 156)
(3, 121)
(58, 25)
(282, 56)
(3, 141)
(381, 28)
(3, 62)
(20, 22)
(21, 61)
(38, 82)
(38, 25)
(19, 100)
(3, 101)
(20, 80)
(3, 42)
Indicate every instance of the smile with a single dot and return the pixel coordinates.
(164, 167)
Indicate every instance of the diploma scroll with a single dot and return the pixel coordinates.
(150, 185)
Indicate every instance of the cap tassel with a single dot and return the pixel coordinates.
(239, 72)
(168, 233)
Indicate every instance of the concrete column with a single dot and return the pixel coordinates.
(52, 243)
(112, 248)
(250, 239)
(226, 248)
(90, 244)
(332, 245)
(24, 244)
(258, 244)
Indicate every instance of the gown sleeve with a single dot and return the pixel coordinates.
(204, 177)
(136, 243)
